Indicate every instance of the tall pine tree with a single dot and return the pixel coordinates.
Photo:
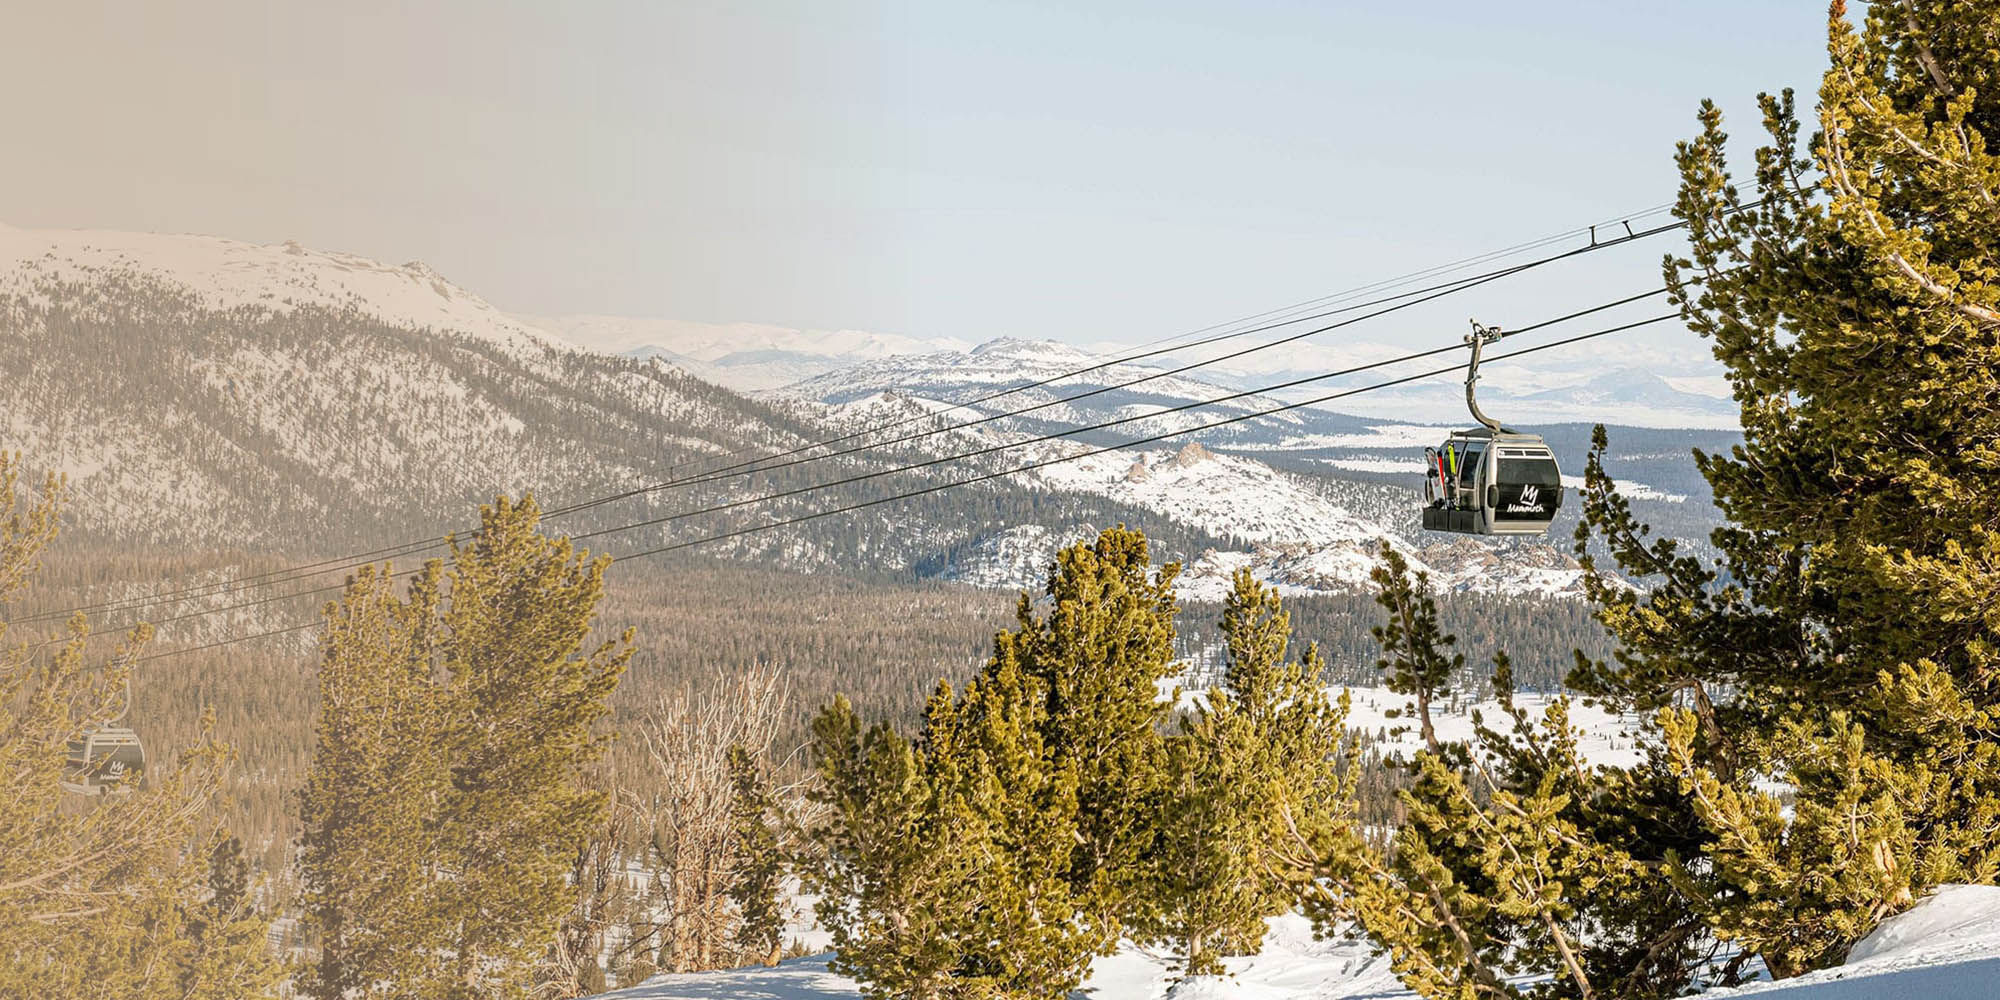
(759, 872)
(1846, 643)
(995, 856)
(447, 797)
(1257, 760)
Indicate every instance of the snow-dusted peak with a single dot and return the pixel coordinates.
(225, 273)
(1035, 351)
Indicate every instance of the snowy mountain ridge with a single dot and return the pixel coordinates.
(1008, 362)
(225, 273)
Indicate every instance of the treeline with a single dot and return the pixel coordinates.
(1541, 634)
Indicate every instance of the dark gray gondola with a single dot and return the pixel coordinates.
(107, 759)
(1490, 480)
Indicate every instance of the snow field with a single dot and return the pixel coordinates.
(1947, 947)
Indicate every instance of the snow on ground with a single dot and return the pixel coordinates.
(1227, 495)
(1377, 436)
(1604, 739)
(1292, 965)
(1014, 555)
(1411, 465)
(877, 408)
(1632, 489)
(1947, 947)
(1343, 566)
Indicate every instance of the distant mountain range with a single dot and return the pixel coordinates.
(216, 395)
(747, 357)
(294, 400)
(1601, 384)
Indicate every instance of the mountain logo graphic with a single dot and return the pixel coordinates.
(1529, 502)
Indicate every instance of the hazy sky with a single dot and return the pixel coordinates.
(1074, 170)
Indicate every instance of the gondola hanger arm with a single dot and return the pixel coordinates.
(1480, 336)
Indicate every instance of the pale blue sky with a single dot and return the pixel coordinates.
(1082, 171)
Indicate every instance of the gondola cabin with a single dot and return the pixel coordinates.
(105, 761)
(1491, 482)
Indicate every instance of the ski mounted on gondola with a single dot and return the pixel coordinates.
(1490, 480)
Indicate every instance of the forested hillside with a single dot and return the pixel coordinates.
(314, 430)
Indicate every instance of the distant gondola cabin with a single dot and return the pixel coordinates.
(104, 761)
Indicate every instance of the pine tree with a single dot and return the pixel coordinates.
(229, 952)
(760, 872)
(1207, 896)
(1258, 758)
(1102, 650)
(370, 850)
(1505, 850)
(994, 857)
(899, 862)
(1845, 642)
(1417, 657)
(446, 801)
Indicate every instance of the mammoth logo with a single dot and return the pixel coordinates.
(114, 771)
(1529, 502)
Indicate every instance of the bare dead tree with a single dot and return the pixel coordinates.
(691, 840)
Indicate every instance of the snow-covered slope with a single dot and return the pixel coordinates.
(962, 376)
(284, 398)
(1947, 947)
(1302, 532)
(224, 274)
